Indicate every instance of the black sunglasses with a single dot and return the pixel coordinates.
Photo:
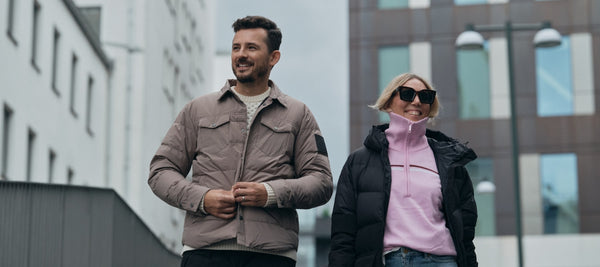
(426, 96)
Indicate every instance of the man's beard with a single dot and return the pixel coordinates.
(246, 79)
(250, 78)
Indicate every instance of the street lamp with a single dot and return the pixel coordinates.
(485, 187)
(545, 37)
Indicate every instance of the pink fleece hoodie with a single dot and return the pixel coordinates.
(414, 218)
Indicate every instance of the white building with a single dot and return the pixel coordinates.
(162, 52)
(90, 88)
(55, 84)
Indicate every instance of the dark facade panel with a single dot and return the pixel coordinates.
(420, 25)
(477, 14)
(594, 13)
(441, 20)
(77, 228)
(596, 63)
(58, 225)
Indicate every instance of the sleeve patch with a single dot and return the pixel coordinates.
(321, 148)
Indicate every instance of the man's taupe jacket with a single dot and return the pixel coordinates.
(284, 148)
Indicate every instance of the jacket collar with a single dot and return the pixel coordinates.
(442, 145)
(275, 96)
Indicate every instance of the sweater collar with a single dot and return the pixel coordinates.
(403, 132)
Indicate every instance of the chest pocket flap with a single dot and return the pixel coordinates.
(276, 127)
(214, 134)
(213, 122)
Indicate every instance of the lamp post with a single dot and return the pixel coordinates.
(545, 37)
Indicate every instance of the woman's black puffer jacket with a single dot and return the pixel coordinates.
(363, 191)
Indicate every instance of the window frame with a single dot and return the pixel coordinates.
(7, 116)
(89, 97)
(10, 24)
(73, 85)
(55, 56)
(35, 31)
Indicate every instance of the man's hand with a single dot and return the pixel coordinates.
(220, 203)
(250, 194)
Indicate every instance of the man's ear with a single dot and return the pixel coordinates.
(274, 58)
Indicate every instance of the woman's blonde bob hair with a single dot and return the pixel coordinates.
(385, 99)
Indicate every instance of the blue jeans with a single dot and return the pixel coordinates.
(406, 257)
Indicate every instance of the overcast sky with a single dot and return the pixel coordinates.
(314, 59)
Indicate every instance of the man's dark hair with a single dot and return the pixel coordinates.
(253, 22)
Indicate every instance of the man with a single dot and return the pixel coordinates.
(256, 155)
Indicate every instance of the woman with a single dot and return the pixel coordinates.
(405, 198)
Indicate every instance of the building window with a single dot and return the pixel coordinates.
(177, 25)
(173, 98)
(469, 2)
(554, 80)
(392, 4)
(88, 113)
(559, 193)
(482, 174)
(10, 25)
(30, 153)
(35, 32)
(70, 175)
(171, 6)
(184, 28)
(73, 85)
(51, 163)
(55, 51)
(393, 61)
(473, 83)
(6, 132)
(167, 76)
(196, 65)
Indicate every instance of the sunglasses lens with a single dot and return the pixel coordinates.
(427, 96)
(407, 94)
